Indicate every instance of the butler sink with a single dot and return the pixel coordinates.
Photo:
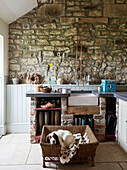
(82, 99)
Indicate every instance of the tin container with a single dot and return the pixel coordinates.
(108, 85)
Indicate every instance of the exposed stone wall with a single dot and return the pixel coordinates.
(33, 125)
(36, 39)
(99, 121)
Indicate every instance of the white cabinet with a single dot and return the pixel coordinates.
(122, 131)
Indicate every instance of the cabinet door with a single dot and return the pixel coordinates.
(123, 122)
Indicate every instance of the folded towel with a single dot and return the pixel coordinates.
(67, 154)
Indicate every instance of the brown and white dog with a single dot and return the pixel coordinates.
(62, 137)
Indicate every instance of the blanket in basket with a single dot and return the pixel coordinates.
(67, 154)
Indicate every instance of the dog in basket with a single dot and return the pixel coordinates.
(62, 137)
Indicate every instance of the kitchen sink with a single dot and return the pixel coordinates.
(82, 99)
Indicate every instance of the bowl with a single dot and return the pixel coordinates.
(45, 89)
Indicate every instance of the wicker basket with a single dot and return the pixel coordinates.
(86, 151)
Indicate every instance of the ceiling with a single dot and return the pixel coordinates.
(10, 10)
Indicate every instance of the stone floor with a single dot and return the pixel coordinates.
(16, 153)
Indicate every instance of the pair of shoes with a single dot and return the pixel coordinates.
(48, 105)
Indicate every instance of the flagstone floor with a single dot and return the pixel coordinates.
(16, 153)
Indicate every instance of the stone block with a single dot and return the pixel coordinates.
(120, 10)
(59, 1)
(108, 1)
(40, 20)
(79, 13)
(93, 20)
(70, 3)
(68, 20)
(102, 101)
(12, 36)
(96, 1)
(57, 43)
(19, 41)
(100, 42)
(28, 32)
(70, 32)
(48, 54)
(97, 57)
(42, 42)
(12, 61)
(14, 67)
(99, 129)
(18, 53)
(48, 48)
(35, 48)
(51, 59)
(109, 58)
(15, 25)
(120, 1)
(89, 43)
(37, 26)
(115, 10)
(26, 26)
(15, 31)
(21, 47)
(53, 10)
(63, 49)
(73, 8)
(28, 61)
(108, 10)
(50, 26)
(29, 42)
(55, 32)
(95, 13)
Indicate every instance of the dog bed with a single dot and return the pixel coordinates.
(86, 152)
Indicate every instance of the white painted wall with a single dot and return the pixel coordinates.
(1, 55)
(10, 10)
(3, 74)
(3, 105)
(18, 108)
(4, 33)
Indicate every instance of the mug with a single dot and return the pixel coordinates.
(64, 91)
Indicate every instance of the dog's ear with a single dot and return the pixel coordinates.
(56, 138)
(48, 139)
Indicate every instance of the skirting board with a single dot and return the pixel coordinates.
(18, 128)
(3, 129)
(122, 144)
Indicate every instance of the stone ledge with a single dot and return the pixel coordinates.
(71, 20)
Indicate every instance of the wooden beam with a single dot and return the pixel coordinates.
(83, 110)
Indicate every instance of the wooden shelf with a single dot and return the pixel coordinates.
(48, 109)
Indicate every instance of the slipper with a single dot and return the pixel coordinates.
(48, 105)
